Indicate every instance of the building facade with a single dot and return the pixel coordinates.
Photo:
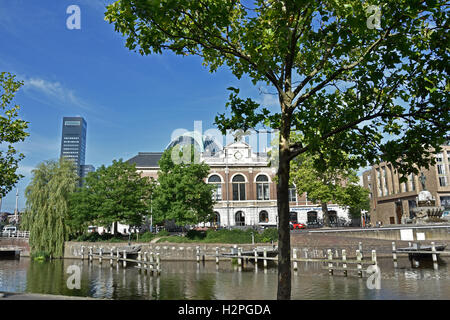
(73, 144)
(392, 201)
(245, 188)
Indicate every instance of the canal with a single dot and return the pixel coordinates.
(189, 280)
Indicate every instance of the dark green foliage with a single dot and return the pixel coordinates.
(182, 195)
(12, 130)
(111, 194)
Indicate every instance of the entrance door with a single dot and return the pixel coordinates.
(399, 211)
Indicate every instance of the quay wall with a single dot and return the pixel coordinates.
(405, 233)
(168, 251)
(15, 244)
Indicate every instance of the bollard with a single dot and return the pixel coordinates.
(433, 249)
(306, 254)
(139, 259)
(330, 262)
(344, 260)
(239, 256)
(82, 253)
(100, 255)
(145, 262)
(374, 257)
(198, 253)
(217, 255)
(152, 260)
(90, 254)
(118, 256)
(124, 258)
(294, 258)
(336, 254)
(158, 264)
(359, 258)
(255, 251)
(394, 254)
(265, 258)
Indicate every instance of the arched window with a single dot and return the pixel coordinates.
(216, 219)
(217, 182)
(312, 217)
(292, 193)
(293, 216)
(263, 216)
(238, 187)
(262, 187)
(240, 218)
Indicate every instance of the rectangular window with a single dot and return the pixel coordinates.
(262, 191)
(441, 169)
(292, 195)
(443, 181)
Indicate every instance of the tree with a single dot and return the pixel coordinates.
(182, 195)
(342, 81)
(109, 195)
(339, 186)
(47, 206)
(12, 130)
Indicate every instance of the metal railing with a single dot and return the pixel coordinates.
(15, 234)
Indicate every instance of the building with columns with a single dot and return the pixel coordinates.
(392, 201)
(245, 189)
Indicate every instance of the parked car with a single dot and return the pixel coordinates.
(296, 225)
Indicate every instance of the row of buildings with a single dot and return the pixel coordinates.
(245, 190)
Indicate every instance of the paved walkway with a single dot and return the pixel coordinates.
(36, 296)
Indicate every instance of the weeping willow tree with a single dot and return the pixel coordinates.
(47, 207)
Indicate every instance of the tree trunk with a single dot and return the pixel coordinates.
(284, 240)
(326, 217)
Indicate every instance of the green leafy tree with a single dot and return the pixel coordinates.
(109, 195)
(339, 186)
(343, 83)
(12, 130)
(182, 195)
(47, 206)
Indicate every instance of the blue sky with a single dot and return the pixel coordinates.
(131, 103)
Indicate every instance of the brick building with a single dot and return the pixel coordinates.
(245, 191)
(392, 201)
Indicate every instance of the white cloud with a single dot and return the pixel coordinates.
(54, 91)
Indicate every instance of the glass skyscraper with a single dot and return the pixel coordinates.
(73, 142)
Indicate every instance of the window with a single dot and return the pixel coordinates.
(312, 217)
(293, 216)
(262, 187)
(380, 190)
(240, 218)
(216, 219)
(292, 194)
(238, 187)
(263, 216)
(443, 181)
(217, 182)
(441, 169)
(413, 183)
(333, 216)
(385, 188)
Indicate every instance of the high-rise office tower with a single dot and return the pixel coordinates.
(73, 143)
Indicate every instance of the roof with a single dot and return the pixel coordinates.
(146, 159)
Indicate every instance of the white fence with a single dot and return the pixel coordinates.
(15, 234)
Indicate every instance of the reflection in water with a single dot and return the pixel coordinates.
(191, 280)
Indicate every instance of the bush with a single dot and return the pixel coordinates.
(40, 256)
